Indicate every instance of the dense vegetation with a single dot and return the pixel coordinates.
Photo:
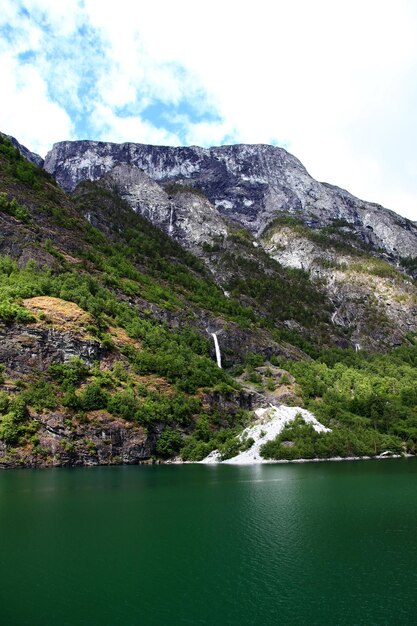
(121, 391)
(179, 356)
(368, 400)
(14, 165)
(276, 293)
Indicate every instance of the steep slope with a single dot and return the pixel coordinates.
(181, 212)
(373, 300)
(30, 156)
(247, 183)
(234, 258)
(372, 305)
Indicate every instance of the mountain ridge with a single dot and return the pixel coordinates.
(247, 183)
(334, 245)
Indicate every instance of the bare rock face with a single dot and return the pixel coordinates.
(100, 439)
(251, 185)
(368, 294)
(64, 439)
(188, 217)
(246, 183)
(28, 347)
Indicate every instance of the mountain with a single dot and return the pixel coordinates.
(352, 250)
(116, 283)
(249, 184)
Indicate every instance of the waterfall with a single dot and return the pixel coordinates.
(216, 345)
(357, 347)
(170, 227)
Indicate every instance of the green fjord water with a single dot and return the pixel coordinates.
(327, 543)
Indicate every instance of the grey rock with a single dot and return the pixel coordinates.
(25, 348)
(100, 439)
(249, 184)
(187, 217)
(377, 303)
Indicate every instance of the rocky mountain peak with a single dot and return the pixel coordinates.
(250, 184)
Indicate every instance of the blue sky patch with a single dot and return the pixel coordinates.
(7, 32)
(174, 117)
(23, 12)
(27, 57)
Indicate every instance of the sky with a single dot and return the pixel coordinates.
(333, 82)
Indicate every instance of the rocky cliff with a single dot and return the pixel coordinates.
(250, 184)
(351, 249)
(106, 354)
(30, 156)
(181, 212)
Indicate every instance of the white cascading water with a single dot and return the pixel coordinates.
(170, 227)
(216, 345)
(357, 347)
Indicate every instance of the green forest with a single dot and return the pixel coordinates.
(369, 401)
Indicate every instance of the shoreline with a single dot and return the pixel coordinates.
(270, 423)
(177, 461)
(333, 459)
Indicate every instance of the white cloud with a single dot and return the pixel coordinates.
(333, 82)
(63, 17)
(27, 112)
(327, 79)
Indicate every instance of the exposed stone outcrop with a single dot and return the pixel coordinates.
(188, 217)
(25, 348)
(247, 183)
(99, 439)
(376, 303)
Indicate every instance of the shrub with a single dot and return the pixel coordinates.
(11, 207)
(9, 429)
(94, 397)
(13, 312)
(169, 443)
(69, 374)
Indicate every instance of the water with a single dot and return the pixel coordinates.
(170, 227)
(217, 348)
(328, 543)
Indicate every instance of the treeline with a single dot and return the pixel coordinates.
(20, 168)
(165, 272)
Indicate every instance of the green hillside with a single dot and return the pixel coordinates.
(106, 346)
